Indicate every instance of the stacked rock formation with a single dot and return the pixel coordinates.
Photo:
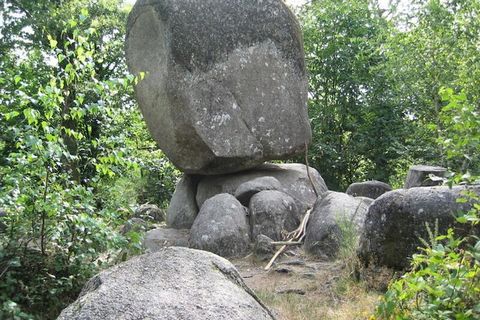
(225, 90)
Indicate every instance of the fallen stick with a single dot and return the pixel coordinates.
(296, 235)
(286, 243)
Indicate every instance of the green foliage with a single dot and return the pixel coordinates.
(357, 128)
(69, 133)
(434, 46)
(460, 134)
(444, 282)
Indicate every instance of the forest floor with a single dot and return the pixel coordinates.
(300, 288)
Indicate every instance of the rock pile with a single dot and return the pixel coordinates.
(225, 89)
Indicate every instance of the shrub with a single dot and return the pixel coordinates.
(444, 282)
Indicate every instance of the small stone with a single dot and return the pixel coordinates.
(424, 176)
(150, 212)
(370, 189)
(159, 238)
(263, 248)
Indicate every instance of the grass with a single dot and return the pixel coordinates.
(337, 295)
(354, 303)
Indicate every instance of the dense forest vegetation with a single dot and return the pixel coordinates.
(387, 90)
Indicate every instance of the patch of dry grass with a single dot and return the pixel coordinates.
(354, 302)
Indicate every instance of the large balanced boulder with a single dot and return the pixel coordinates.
(397, 221)
(225, 86)
(370, 189)
(335, 219)
(293, 178)
(221, 227)
(172, 284)
(272, 213)
(424, 176)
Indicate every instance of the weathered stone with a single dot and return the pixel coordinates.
(247, 189)
(226, 86)
(263, 248)
(221, 227)
(366, 200)
(332, 216)
(149, 211)
(272, 213)
(159, 238)
(292, 176)
(370, 189)
(419, 176)
(172, 284)
(397, 220)
(183, 208)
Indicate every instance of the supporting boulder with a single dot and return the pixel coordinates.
(246, 190)
(332, 217)
(293, 178)
(272, 213)
(183, 208)
(221, 227)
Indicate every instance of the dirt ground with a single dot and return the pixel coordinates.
(300, 288)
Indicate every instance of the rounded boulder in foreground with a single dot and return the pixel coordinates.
(172, 284)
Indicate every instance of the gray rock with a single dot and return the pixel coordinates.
(221, 227)
(263, 248)
(149, 211)
(135, 225)
(419, 176)
(292, 176)
(172, 284)
(370, 189)
(366, 200)
(226, 86)
(183, 208)
(272, 213)
(159, 238)
(333, 220)
(247, 189)
(397, 220)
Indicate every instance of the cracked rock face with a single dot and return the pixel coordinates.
(226, 87)
(172, 284)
